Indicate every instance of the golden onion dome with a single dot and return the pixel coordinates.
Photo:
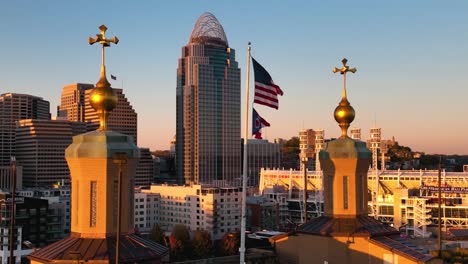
(344, 115)
(103, 97)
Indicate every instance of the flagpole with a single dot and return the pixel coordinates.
(244, 170)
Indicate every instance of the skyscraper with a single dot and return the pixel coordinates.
(75, 106)
(208, 107)
(40, 149)
(14, 107)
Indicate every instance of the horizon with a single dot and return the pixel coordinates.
(408, 58)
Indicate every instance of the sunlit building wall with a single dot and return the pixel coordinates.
(14, 107)
(40, 149)
(75, 106)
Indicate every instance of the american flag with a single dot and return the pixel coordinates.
(266, 91)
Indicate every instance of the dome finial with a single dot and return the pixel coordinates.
(344, 112)
(103, 98)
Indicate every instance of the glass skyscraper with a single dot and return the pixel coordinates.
(208, 108)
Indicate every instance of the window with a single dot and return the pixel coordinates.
(93, 204)
(345, 192)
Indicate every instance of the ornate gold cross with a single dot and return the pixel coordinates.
(101, 38)
(343, 72)
(103, 98)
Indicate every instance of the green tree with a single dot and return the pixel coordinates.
(202, 244)
(290, 153)
(157, 235)
(291, 145)
(231, 243)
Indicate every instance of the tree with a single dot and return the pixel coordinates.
(290, 153)
(179, 242)
(202, 244)
(157, 235)
(231, 243)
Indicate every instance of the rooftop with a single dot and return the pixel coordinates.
(207, 29)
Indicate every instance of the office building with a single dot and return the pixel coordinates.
(14, 107)
(30, 225)
(261, 154)
(145, 169)
(40, 149)
(58, 211)
(208, 107)
(75, 106)
(6, 177)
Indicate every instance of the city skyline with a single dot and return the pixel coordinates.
(408, 55)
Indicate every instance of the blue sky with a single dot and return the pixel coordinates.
(410, 56)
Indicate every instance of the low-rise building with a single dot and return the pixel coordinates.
(214, 209)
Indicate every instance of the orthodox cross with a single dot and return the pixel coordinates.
(101, 38)
(343, 72)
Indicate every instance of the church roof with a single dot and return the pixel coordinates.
(403, 246)
(366, 226)
(361, 225)
(133, 249)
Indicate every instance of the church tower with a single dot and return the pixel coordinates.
(102, 166)
(345, 163)
(345, 234)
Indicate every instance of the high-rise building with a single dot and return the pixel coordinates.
(40, 149)
(14, 107)
(6, 177)
(75, 106)
(208, 107)
(145, 169)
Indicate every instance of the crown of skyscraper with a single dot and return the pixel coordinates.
(207, 29)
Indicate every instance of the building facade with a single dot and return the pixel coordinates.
(145, 169)
(307, 142)
(75, 106)
(214, 209)
(307, 148)
(58, 212)
(6, 177)
(14, 107)
(30, 225)
(406, 198)
(208, 107)
(40, 149)
(261, 154)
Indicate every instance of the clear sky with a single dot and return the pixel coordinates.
(411, 58)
